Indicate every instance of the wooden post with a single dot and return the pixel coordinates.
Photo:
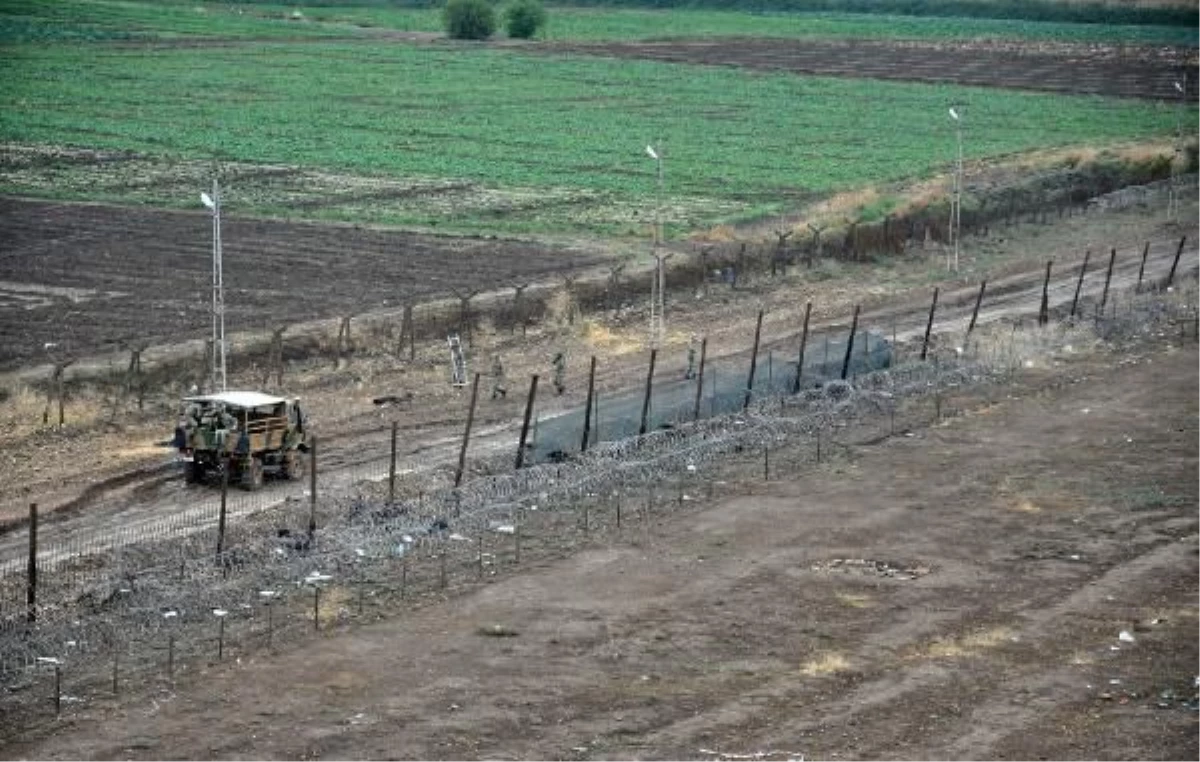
(803, 345)
(1112, 259)
(462, 453)
(223, 515)
(411, 333)
(1170, 279)
(649, 390)
(316, 607)
(753, 362)
(1142, 268)
(31, 579)
(392, 466)
(1044, 310)
(587, 408)
(1079, 283)
(312, 488)
(929, 324)
(700, 378)
(975, 312)
(850, 343)
(525, 424)
(766, 463)
(58, 381)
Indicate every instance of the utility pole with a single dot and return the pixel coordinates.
(1173, 191)
(218, 288)
(956, 203)
(658, 283)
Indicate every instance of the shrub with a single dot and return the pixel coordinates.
(469, 19)
(523, 18)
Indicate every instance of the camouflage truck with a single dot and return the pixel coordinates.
(250, 432)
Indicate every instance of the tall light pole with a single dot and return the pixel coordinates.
(213, 202)
(659, 281)
(1173, 192)
(956, 204)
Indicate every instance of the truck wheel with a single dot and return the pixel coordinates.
(194, 472)
(252, 474)
(293, 465)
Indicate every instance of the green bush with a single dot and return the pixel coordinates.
(469, 19)
(523, 18)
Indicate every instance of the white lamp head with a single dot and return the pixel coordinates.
(954, 115)
(652, 153)
(207, 200)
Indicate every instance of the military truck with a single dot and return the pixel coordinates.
(250, 433)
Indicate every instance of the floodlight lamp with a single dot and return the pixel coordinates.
(1178, 88)
(207, 200)
(954, 115)
(653, 154)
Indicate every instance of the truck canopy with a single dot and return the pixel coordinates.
(240, 400)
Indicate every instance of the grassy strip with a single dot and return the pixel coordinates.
(45, 21)
(1180, 14)
(102, 20)
(600, 24)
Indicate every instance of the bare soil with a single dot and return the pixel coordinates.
(956, 593)
(99, 276)
(1078, 69)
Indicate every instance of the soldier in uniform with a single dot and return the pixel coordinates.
(560, 372)
(499, 385)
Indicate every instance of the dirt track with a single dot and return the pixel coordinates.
(141, 504)
(89, 276)
(954, 594)
(1132, 73)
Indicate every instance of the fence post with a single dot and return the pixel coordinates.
(316, 607)
(31, 580)
(392, 466)
(462, 453)
(312, 488)
(1107, 279)
(1044, 310)
(649, 390)
(700, 378)
(525, 424)
(850, 343)
(803, 346)
(1079, 284)
(753, 361)
(1170, 275)
(975, 312)
(587, 408)
(929, 324)
(1142, 268)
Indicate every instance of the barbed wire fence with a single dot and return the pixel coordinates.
(158, 602)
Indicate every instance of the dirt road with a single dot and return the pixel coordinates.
(153, 505)
(959, 593)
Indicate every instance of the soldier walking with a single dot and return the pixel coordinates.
(499, 385)
(560, 372)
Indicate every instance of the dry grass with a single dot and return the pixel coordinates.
(825, 664)
(969, 644)
(856, 600)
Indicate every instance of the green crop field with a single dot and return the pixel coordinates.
(470, 137)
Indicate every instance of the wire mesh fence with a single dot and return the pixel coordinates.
(156, 599)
